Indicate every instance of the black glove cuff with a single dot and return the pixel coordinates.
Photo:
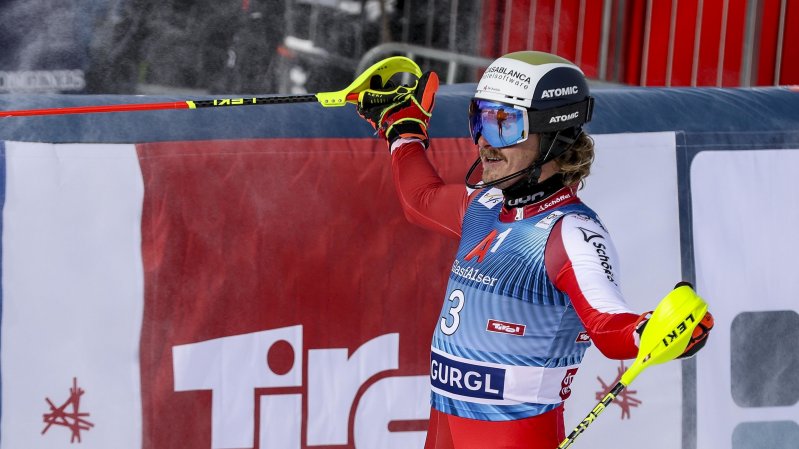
(407, 129)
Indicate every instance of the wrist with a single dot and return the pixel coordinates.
(402, 141)
(639, 326)
(406, 128)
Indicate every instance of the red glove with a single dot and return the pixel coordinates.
(699, 336)
(401, 112)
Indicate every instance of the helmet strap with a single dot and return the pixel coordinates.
(525, 191)
(484, 185)
(551, 146)
(556, 143)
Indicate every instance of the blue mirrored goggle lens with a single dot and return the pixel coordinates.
(501, 125)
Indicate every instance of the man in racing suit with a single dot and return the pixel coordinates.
(535, 278)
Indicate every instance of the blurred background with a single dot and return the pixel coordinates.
(124, 240)
(298, 46)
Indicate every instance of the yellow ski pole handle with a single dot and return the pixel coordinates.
(386, 69)
(668, 331)
(667, 334)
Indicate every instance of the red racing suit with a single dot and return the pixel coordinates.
(579, 266)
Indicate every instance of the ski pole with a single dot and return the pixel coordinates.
(665, 337)
(385, 69)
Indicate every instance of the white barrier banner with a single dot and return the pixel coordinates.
(72, 296)
(744, 223)
(633, 188)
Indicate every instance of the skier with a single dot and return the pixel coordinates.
(535, 277)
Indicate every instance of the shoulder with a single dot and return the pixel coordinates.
(587, 244)
(584, 224)
(583, 234)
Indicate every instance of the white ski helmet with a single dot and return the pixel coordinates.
(524, 93)
(553, 89)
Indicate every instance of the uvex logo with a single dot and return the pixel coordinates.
(505, 328)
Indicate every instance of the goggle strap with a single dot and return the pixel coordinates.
(558, 144)
(568, 116)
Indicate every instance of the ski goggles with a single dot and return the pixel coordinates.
(503, 125)
(500, 124)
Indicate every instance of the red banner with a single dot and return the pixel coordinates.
(257, 252)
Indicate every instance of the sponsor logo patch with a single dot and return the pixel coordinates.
(589, 235)
(564, 118)
(491, 198)
(582, 337)
(502, 327)
(505, 75)
(554, 202)
(565, 384)
(472, 274)
(601, 251)
(546, 223)
(559, 92)
(526, 200)
(502, 72)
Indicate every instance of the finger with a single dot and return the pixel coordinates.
(376, 82)
(693, 347)
(426, 90)
(705, 325)
(708, 321)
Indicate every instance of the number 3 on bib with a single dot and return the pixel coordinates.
(457, 300)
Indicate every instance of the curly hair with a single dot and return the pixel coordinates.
(575, 164)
